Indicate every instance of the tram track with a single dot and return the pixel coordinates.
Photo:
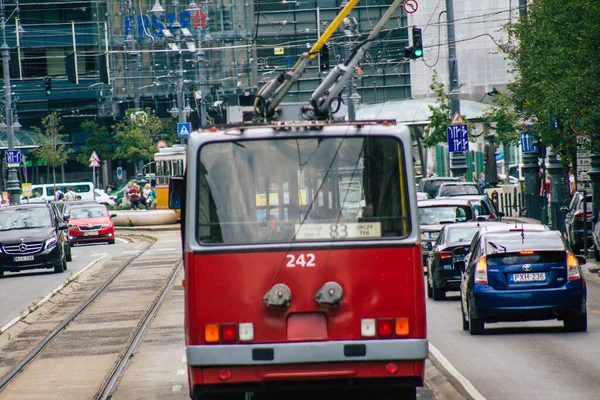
(89, 337)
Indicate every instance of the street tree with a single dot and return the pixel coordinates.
(502, 118)
(136, 136)
(52, 147)
(555, 59)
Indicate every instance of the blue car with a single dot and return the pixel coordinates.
(521, 273)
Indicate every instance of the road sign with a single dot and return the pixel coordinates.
(527, 142)
(161, 144)
(13, 156)
(457, 119)
(184, 129)
(94, 164)
(94, 157)
(410, 6)
(120, 172)
(458, 137)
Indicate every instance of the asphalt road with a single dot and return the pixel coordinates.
(20, 290)
(525, 360)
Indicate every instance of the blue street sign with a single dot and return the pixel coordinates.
(527, 142)
(458, 137)
(13, 156)
(184, 129)
(120, 172)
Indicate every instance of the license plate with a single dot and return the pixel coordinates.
(23, 258)
(532, 277)
(90, 233)
(433, 235)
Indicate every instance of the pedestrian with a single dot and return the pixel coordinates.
(69, 195)
(135, 196)
(481, 182)
(128, 188)
(59, 195)
(148, 195)
(572, 185)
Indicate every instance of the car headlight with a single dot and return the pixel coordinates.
(106, 225)
(50, 242)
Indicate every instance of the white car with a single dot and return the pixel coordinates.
(104, 198)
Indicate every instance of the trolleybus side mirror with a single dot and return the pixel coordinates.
(176, 191)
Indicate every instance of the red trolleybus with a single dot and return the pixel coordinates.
(302, 261)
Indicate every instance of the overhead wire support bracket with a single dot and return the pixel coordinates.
(329, 90)
(272, 93)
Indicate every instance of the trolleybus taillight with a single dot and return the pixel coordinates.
(384, 327)
(214, 333)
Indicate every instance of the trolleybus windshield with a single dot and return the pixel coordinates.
(301, 189)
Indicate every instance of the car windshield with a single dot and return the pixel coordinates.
(88, 212)
(444, 214)
(321, 185)
(457, 190)
(518, 241)
(462, 235)
(25, 218)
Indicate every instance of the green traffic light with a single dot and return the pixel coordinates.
(418, 52)
(48, 92)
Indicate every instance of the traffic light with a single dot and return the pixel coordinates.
(324, 59)
(416, 50)
(48, 85)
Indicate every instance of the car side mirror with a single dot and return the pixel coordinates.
(113, 215)
(460, 251)
(459, 265)
(581, 260)
(480, 218)
(427, 246)
(65, 218)
(564, 209)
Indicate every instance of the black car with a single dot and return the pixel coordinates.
(484, 207)
(451, 189)
(431, 185)
(575, 220)
(451, 246)
(32, 236)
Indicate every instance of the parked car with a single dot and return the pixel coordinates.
(451, 246)
(104, 198)
(483, 207)
(32, 236)
(521, 273)
(90, 223)
(431, 185)
(45, 192)
(451, 189)
(435, 213)
(575, 220)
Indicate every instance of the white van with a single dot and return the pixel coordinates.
(45, 192)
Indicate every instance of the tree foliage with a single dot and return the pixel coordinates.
(435, 131)
(502, 118)
(99, 140)
(136, 137)
(554, 53)
(51, 140)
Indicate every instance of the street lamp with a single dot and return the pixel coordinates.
(13, 186)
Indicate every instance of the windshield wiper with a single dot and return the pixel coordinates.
(497, 246)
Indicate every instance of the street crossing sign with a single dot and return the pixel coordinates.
(13, 157)
(527, 142)
(458, 137)
(94, 157)
(184, 129)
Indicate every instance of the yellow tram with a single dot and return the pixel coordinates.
(170, 161)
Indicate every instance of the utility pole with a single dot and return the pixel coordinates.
(458, 164)
(13, 185)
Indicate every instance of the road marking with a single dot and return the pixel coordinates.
(181, 372)
(184, 359)
(167, 249)
(176, 388)
(468, 386)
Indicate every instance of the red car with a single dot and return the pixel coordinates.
(91, 223)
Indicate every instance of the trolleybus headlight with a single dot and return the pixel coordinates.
(246, 331)
(229, 333)
(384, 327)
(211, 333)
(367, 327)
